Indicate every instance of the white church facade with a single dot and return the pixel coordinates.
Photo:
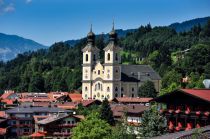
(112, 79)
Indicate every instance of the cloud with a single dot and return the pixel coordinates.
(9, 8)
(28, 1)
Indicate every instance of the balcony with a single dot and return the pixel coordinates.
(61, 134)
(67, 125)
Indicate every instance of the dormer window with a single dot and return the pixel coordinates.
(86, 57)
(108, 56)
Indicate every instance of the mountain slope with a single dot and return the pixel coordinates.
(11, 45)
(187, 25)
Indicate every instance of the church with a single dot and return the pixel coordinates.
(111, 78)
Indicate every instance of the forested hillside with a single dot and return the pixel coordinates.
(59, 67)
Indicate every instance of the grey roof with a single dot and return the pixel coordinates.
(137, 73)
(89, 47)
(36, 109)
(53, 118)
(112, 46)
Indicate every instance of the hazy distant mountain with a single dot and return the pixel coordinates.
(120, 33)
(187, 25)
(179, 27)
(11, 45)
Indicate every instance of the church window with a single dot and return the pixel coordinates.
(98, 72)
(101, 87)
(108, 89)
(86, 88)
(102, 96)
(116, 89)
(86, 57)
(86, 76)
(98, 95)
(94, 96)
(122, 89)
(98, 86)
(108, 96)
(132, 95)
(132, 89)
(108, 56)
(122, 95)
(116, 95)
(95, 87)
(116, 57)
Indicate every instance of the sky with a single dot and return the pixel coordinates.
(50, 21)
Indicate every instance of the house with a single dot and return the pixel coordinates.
(132, 112)
(131, 100)
(57, 126)
(185, 108)
(111, 78)
(21, 119)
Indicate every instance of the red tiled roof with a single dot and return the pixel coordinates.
(2, 114)
(67, 105)
(75, 97)
(200, 93)
(118, 110)
(7, 101)
(133, 100)
(7, 94)
(37, 134)
(89, 102)
(3, 131)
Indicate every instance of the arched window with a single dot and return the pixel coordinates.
(132, 89)
(116, 89)
(108, 89)
(122, 89)
(99, 86)
(95, 87)
(86, 57)
(121, 94)
(86, 96)
(116, 95)
(98, 72)
(86, 88)
(116, 57)
(132, 95)
(108, 56)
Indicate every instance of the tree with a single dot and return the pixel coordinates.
(106, 112)
(153, 123)
(92, 128)
(147, 90)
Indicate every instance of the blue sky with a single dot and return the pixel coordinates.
(49, 21)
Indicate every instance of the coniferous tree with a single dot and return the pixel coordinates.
(106, 112)
(153, 124)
